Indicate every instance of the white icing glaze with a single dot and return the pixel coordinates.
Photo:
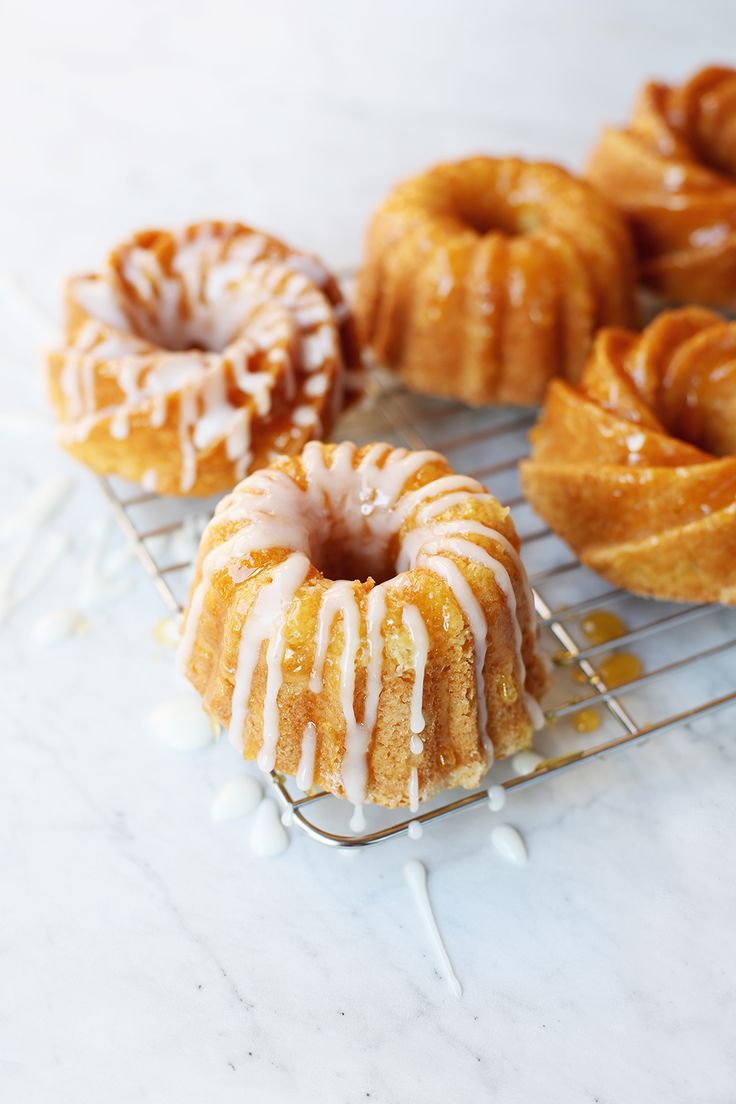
(357, 820)
(420, 639)
(496, 798)
(413, 789)
(509, 844)
(525, 762)
(149, 479)
(268, 838)
(180, 723)
(375, 616)
(415, 830)
(416, 877)
(340, 598)
(265, 622)
(305, 770)
(316, 385)
(238, 797)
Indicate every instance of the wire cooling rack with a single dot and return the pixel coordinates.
(681, 660)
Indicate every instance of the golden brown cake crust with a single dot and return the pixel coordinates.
(482, 279)
(636, 467)
(425, 561)
(197, 355)
(671, 171)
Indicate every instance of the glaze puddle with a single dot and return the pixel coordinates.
(525, 762)
(181, 723)
(269, 838)
(510, 844)
(238, 797)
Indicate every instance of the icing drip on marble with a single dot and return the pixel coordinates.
(180, 723)
(269, 837)
(510, 845)
(415, 874)
(238, 797)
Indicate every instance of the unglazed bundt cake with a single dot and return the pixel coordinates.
(636, 467)
(199, 355)
(672, 172)
(484, 278)
(360, 619)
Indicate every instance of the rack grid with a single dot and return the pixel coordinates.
(688, 653)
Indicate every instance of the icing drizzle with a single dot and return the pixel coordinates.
(215, 329)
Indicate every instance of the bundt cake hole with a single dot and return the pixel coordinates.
(339, 555)
(486, 208)
(181, 331)
(183, 337)
(486, 215)
(345, 564)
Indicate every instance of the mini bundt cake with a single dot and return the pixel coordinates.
(636, 467)
(360, 619)
(199, 355)
(672, 172)
(484, 278)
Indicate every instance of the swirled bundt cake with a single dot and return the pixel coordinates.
(199, 355)
(636, 467)
(672, 172)
(360, 618)
(484, 278)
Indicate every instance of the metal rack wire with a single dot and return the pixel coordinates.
(489, 445)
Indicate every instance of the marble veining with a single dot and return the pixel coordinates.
(148, 955)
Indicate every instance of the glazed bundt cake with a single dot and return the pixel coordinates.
(198, 355)
(636, 467)
(672, 172)
(360, 619)
(484, 278)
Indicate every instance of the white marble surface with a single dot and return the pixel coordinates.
(145, 953)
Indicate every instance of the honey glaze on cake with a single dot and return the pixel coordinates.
(672, 172)
(350, 615)
(635, 468)
(484, 278)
